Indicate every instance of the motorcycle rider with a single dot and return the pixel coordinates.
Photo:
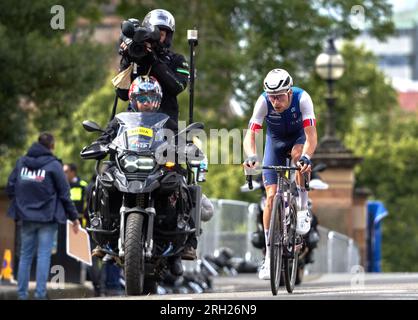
(145, 95)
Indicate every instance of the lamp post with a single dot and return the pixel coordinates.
(336, 205)
(330, 67)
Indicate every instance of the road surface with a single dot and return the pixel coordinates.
(315, 287)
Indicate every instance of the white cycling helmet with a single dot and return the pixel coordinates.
(277, 80)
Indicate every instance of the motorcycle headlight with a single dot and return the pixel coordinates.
(132, 163)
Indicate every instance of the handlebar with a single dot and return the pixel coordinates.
(280, 168)
(306, 177)
(250, 181)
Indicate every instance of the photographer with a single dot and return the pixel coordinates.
(147, 48)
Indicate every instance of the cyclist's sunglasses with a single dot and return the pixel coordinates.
(147, 98)
(278, 96)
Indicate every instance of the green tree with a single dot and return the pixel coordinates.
(240, 40)
(44, 77)
(389, 169)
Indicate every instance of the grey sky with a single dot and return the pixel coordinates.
(400, 5)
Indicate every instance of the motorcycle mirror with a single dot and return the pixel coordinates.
(195, 126)
(91, 126)
(319, 167)
(256, 186)
(190, 127)
(318, 184)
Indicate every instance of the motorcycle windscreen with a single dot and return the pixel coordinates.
(140, 131)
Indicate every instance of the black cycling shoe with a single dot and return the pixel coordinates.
(176, 267)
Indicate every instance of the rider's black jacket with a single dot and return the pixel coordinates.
(171, 71)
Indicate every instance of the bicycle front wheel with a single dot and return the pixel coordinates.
(290, 254)
(276, 247)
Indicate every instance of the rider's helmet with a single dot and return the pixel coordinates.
(147, 91)
(277, 80)
(163, 20)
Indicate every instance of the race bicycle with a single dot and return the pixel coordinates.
(285, 244)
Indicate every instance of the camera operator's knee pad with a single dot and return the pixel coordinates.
(207, 209)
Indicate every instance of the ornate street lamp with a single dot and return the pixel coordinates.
(330, 67)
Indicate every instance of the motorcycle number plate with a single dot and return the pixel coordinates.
(140, 131)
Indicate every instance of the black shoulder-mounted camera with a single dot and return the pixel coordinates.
(134, 36)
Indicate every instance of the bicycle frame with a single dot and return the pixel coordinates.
(283, 182)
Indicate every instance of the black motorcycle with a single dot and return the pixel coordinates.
(310, 239)
(142, 209)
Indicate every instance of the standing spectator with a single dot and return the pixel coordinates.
(40, 198)
(77, 190)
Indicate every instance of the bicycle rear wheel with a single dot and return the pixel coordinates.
(290, 254)
(276, 247)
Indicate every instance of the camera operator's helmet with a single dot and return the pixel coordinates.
(277, 80)
(145, 89)
(163, 20)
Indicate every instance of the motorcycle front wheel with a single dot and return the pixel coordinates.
(134, 255)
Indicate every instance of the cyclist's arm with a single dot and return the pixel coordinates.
(255, 126)
(309, 124)
(311, 141)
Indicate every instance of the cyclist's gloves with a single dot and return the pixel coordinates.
(304, 160)
(250, 161)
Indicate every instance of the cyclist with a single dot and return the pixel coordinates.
(291, 127)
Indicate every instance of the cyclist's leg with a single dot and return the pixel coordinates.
(303, 224)
(274, 155)
(296, 154)
(303, 199)
(271, 157)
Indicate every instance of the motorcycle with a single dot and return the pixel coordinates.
(310, 239)
(142, 210)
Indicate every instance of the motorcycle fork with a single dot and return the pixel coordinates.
(121, 242)
(150, 213)
(149, 242)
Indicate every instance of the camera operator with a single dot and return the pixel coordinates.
(148, 48)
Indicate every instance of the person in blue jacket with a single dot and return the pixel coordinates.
(40, 199)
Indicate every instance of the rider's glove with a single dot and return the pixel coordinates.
(150, 58)
(251, 161)
(305, 160)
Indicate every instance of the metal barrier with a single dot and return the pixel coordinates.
(234, 221)
(335, 253)
(231, 227)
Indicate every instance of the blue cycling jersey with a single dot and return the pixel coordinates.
(284, 130)
(289, 122)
